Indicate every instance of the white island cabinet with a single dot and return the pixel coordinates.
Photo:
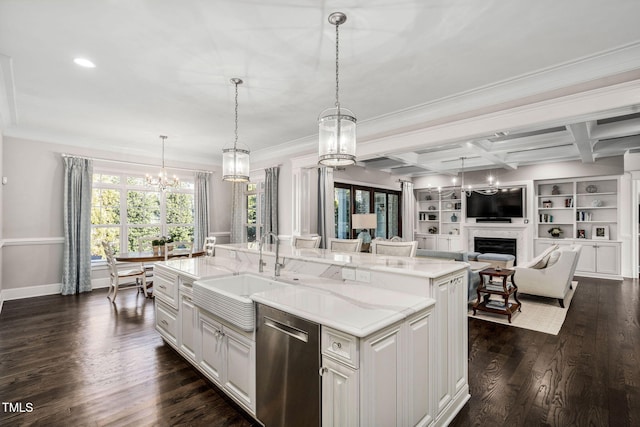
(381, 380)
(393, 344)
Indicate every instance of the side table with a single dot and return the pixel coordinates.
(486, 288)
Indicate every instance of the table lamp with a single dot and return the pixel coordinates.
(364, 222)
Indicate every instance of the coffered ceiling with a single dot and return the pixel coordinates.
(163, 67)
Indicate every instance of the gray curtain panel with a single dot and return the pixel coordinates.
(271, 199)
(201, 203)
(76, 268)
(408, 211)
(238, 213)
(326, 221)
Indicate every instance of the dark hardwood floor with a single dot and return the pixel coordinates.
(80, 361)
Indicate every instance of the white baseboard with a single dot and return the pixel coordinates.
(42, 290)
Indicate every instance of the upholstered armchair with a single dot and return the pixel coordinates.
(550, 274)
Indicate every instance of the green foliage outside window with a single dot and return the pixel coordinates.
(144, 213)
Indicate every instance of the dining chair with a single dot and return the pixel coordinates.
(407, 249)
(178, 249)
(209, 246)
(345, 245)
(305, 242)
(145, 244)
(116, 276)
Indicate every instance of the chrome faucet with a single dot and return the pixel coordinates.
(261, 263)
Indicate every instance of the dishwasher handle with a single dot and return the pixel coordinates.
(286, 329)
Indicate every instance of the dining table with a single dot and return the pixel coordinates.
(149, 256)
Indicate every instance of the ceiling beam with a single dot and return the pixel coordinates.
(476, 147)
(616, 129)
(582, 140)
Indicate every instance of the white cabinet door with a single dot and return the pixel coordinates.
(442, 373)
(451, 366)
(442, 243)
(167, 322)
(240, 378)
(340, 398)
(448, 242)
(587, 259)
(382, 379)
(455, 243)
(607, 258)
(211, 355)
(457, 330)
(418, 401)
(430, 243)
(188, 327)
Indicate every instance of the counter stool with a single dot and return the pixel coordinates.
(498, 260)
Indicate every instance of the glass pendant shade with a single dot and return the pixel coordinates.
(235, 158)
(337, 137)
(235, 164)
(337, 125)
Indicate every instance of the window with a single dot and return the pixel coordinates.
(350, 199)
(254, 195)
(123, 209)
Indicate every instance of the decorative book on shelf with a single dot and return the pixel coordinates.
(495, 286)
(498, 305)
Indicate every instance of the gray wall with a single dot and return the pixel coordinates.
(32, 212)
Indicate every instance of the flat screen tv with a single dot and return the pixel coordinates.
(506, 203)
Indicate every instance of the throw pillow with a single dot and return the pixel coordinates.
(553, 258)
(540, 261)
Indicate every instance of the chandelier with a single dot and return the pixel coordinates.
(235, 160)
(337, 126)
(162, 181)
(490, 189)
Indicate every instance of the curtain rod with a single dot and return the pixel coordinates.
(134, 163)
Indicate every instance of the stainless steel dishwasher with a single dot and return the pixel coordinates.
(287, 369)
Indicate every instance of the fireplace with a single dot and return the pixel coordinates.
(496, 245)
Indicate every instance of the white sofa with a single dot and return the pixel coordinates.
(550, 274)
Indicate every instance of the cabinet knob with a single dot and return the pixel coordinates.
(336, 346)
(322, 371)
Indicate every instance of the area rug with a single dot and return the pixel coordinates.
(538, 313)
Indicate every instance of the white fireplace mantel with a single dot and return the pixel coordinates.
(519, 231)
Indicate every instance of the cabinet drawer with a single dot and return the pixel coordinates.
(165, 287)
(340, 346)
(166, 322)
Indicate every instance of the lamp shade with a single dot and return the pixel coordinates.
(235, 164)
(337, 137)
(363, 221)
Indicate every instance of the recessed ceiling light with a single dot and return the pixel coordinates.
(83, 62)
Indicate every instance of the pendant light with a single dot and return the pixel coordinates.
(235, 160)
(162, 181)
(337, 125)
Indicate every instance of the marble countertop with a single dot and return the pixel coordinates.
(358, 310)
(346, 306)
(203, 267)
(416, 266)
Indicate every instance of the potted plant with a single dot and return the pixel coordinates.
(155, 243)
(555, 231)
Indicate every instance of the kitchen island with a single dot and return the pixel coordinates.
(393, 330)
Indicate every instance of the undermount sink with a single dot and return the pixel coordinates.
(229, 297)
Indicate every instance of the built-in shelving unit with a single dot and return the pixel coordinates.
(439, 213)
(586, 212)
(578, 208)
